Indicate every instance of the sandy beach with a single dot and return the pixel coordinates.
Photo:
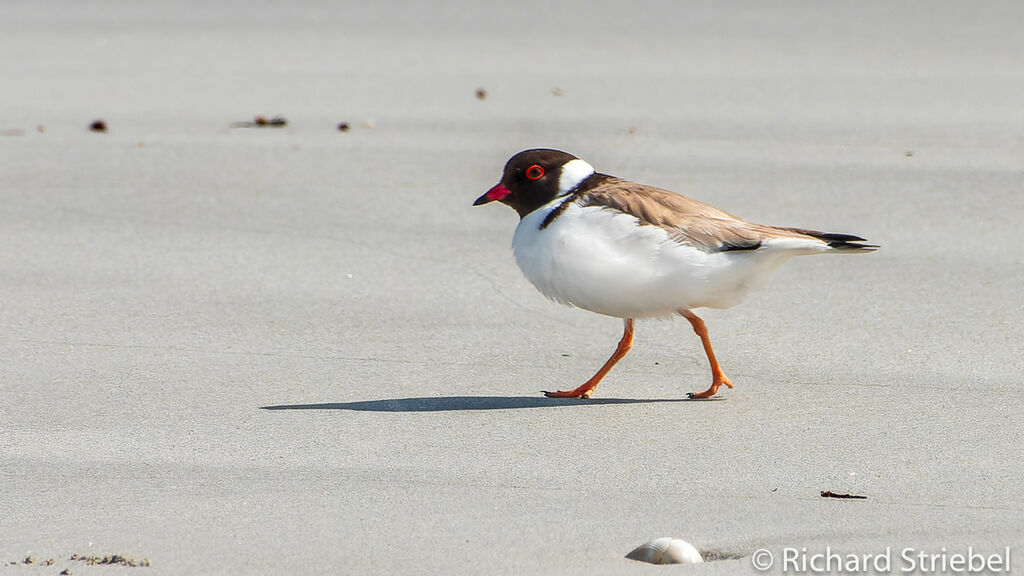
(300, 350)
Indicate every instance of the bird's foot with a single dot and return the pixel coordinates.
(701, 395)
(577, 393)
(719, 380)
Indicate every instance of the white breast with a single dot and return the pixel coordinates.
(604, 261)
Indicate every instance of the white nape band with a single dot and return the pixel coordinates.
(573, 172)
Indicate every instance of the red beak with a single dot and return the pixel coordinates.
(496, 193)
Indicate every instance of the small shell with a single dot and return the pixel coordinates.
(666, 551)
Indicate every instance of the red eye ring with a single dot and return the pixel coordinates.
(534, 172)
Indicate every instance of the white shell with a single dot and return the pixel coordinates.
(666, 551)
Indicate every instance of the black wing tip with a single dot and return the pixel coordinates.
(837, 241)
(852, 246)
(848, 242)
(833, 237)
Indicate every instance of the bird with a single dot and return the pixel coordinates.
(631, 251)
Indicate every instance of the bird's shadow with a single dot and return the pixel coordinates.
(460, 403)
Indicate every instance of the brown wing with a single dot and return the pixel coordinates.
(693, 222)
(688, 220)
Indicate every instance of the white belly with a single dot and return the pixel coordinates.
(603, 261)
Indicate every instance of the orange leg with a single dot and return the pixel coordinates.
(716, 371)
(588, 386)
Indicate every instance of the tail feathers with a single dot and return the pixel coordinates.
(841, 242)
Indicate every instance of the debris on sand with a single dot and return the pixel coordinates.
(112, 560)
(263, 122)
(831, 494)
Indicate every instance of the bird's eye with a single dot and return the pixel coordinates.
(534, 172)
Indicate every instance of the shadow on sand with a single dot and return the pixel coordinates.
(444, 403)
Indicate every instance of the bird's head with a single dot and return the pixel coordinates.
(532, 178)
